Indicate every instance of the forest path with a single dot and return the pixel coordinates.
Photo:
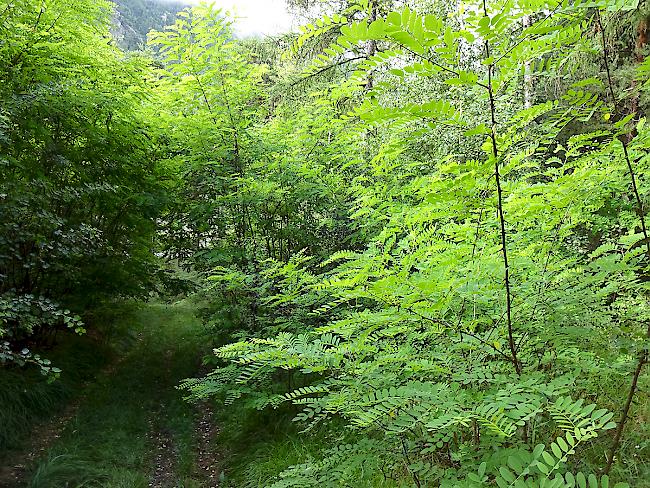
(132, 427)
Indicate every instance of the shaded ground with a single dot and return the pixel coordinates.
(131, 427)
(14, 470)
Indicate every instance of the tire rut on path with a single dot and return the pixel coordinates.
(164, 471)
(208, 458)
(43, 435)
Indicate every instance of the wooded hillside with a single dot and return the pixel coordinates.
(133, 19)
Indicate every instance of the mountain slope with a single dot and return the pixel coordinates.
(134, 18)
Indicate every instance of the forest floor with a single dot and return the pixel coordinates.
(129, 426)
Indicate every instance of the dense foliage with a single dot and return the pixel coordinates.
(496, 245)
(419, 226)
(78, 189)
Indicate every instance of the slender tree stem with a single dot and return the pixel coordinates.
(408, 461)
(372, 44)
(625, 412)
(643, 355)
(502, 220)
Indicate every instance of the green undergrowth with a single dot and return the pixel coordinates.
(130, 406)
(260, 445)
(27, 399)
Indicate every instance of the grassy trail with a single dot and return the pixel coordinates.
(131, 427)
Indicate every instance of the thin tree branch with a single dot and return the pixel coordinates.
(326, 68)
